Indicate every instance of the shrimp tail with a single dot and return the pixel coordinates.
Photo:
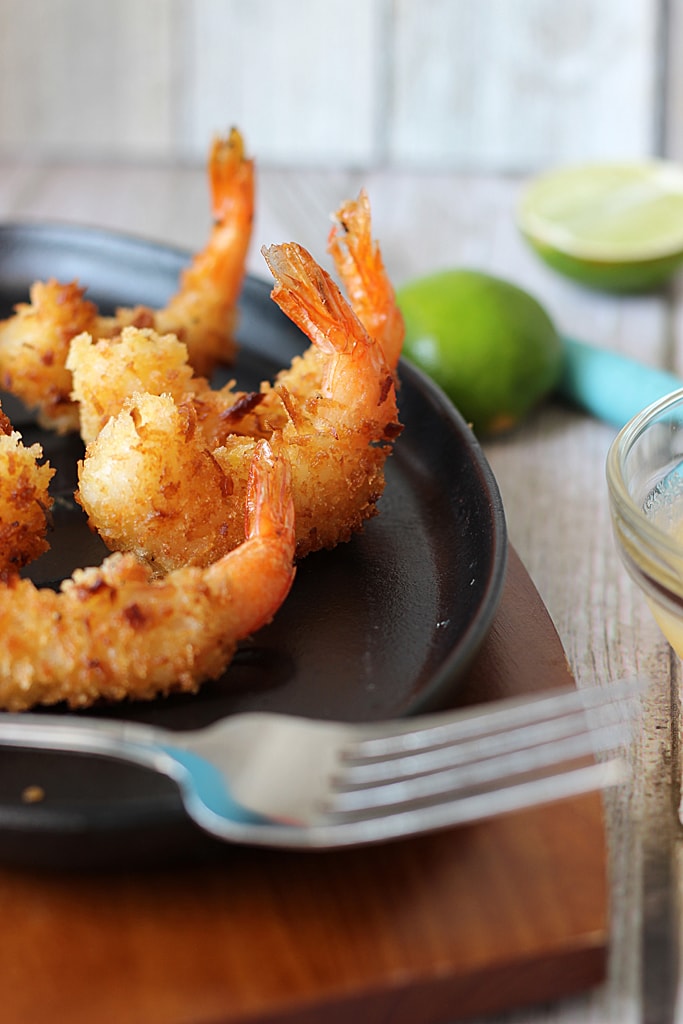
(269, 510)
(203, 313)
(231, 175)
(359, 263)
(310, 298)
(264, 563)
(356, 370)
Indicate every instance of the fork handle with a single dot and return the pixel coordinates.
(124, 741)
(127, 742)
(133, 743)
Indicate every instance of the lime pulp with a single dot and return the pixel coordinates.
(613, 225)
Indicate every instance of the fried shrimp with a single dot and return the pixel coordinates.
(343, 421)
(336, 420)
(34, 343)
(359, 263)
(24, 500)
(112, 632)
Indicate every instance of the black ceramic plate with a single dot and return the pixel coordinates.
(383, 626)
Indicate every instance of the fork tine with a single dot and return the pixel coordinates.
(357, 772)
(481, 722)
(406, 821)
(451, 767)
(451, 783)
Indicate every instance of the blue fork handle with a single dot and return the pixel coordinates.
(610, 386)
(202, 787)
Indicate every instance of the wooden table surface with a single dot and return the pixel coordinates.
(550, 472)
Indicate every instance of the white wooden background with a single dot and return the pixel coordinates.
(493, 85)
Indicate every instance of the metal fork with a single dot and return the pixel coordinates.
(279, 780)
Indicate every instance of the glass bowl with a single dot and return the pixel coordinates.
(645, 482)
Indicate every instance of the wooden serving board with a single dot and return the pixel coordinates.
(433, 929)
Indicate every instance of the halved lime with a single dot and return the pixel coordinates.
(617, 226)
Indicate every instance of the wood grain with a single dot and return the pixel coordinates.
(430, 929)
(490, 86)
(486, 85)
(87, 78)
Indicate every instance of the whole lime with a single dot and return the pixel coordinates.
(490, 345)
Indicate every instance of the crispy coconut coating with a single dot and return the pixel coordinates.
(113, 632)
(159, 491)
(34, 345)
(108, 371)
(24, 500)
(135, 361)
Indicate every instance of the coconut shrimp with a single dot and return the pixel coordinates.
(343, 425)
(25, 502)
(359, 263)
(112, 632)
(34, 343)
(337, 430)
